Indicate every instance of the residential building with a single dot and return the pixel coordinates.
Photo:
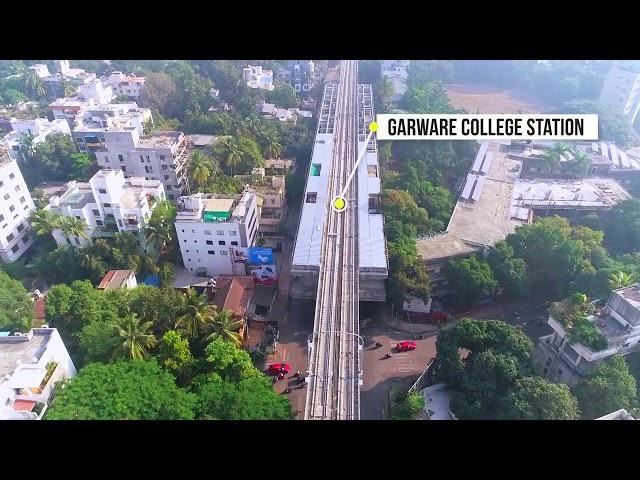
(108, 203)
(97, 90)
(621, 91)
(256, 77)
(561, 359)
(270, 193)
(269, 110)
(372, 251)
(15, 206)
(115, 279)
(41, 70)
(621, 414)
(30, 365)
(279, 166)
(396, 72)
(114, 134)
(70, 108)
(234, 294)
(211, 228)
(38, 128)
(300, 74)
(127, 85)
(202, 142)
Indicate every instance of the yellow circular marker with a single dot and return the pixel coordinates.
(373, 127)
(339, 204)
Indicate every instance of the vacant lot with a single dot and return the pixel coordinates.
(479, 99)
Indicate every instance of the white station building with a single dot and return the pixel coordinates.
(372, 251)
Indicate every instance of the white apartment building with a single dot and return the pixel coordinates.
(97, 90)
(30, 366)
(621, 91)
(108, 203)
(396, 72)
(256, 77)
(41, 70)
(618, 322)
(211, 228)
(15, 206)
(40, 128)
(70, 108)
(129, 85)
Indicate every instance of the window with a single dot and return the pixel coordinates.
(166, 177)
(99, 222)
(211, 252)
(141, 159)
(10, 237)
(106, 159)
(12, 208)
(1, 184)
(1, 218)
(209, 242)
(22, 200)
(78, 217)
(121, 158)
(102, 190)
(548, 361)
(162, 158)
(96, 213)
(559, 371)
(311, 197)
(15, 248)
(207, 232)
(187, 251)
(197, 251)
(221, 242)
(183, 230)
(273, 201)
(223, 252)
(132, 221)
(193, 231)
(6, 196)
(148, 161)
(169, 188)
(12, 176)
(234, 243)
(119, 222)
(220, 232)
(20, 228)
(232, 233)
(17, 189)
(164, 167)
(106, 205)
(26, 239)
(148, 169)
(315, 169)
(123, 168)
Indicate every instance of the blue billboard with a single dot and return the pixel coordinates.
(260, 256)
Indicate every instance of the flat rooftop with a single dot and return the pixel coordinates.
(587, 194)
(160, 139)
(114, 279)
(23, 349)
(437, 400)
(481, 216)
(621, 414)
(79, 196)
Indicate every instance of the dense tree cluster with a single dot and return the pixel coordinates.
(488, 364)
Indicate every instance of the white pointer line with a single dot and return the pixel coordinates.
(355, 167)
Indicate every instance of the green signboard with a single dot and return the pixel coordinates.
(216, 216)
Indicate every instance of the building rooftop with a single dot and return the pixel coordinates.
(49, 189)
(200, 141)
(15, 351)
(437, 399)
(160, 139)
(203, 207)
(444, 246)
(587, 194)
(77, 195)
(114, 279)
(233, 294)
(621, 414)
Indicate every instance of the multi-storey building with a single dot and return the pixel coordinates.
(128, 85)
(270, 193)
(621, 91)
(38, 128)
(396, 72)
(108, 203)
(30, 366)
(97, 90)
(213, 228)
(15, 206)
(300, 74)
(41, 70)
(256, 77)
(564, 360)
(372, 252)
(70, 108)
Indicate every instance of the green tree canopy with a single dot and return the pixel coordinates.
(623, 226)
(472, 280)
(124, 390)
(16, 308)
(536, 399)
(283, 96)
(610, 388)
(230, 362)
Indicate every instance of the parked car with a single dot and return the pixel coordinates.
(278, 368)
(406, 346)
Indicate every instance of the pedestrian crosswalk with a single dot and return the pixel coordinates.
(404, 361)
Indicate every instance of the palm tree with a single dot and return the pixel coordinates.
(272, 149)
(580, 163)
(230, 153)
(34, 84)
(385, 90)
(74, 227)
(27, 146)
(199, 314)
(225, 326)
(620, 280)
(44, 222)
(134, 338)
(199, 169)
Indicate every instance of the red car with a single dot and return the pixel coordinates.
(406, 346)
(277, 368)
